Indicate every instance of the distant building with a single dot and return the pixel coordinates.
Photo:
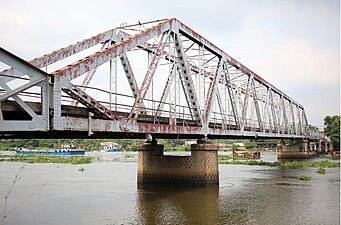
(107, 146)
(190, 142)
(239, 144)
(321, 129)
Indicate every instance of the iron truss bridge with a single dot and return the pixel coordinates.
(159, 77)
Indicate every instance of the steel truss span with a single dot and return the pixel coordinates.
(158, 77)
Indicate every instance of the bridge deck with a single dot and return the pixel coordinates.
(11, 111)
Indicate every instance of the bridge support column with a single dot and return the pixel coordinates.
(199, 169)
(295, 151)
(320, 146)
(330, 146)
(311, 147)
(306, 145)
(315, 146)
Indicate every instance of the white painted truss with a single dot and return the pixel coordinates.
(170, 80)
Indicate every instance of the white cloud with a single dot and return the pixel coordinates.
(295, 61)
(14, 17)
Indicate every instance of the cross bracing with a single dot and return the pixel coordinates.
(159, 77)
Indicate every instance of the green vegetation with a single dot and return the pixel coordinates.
(313, 128)
(304, 178)
(46, 159)
(81, 169)
(222, 158)
(250, 144)
(88, 144)
(324, 163)
(128, 156)
(332, 130)
(130, 144)
(321, 170)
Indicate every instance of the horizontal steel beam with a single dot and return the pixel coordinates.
(82, 66)
(20, 64)
(67, 51)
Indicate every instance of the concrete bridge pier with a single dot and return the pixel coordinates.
(296, 151)
(199, 169)
(324, 146)
(312, 146)
(303, 149)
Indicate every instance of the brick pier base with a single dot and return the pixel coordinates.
(199, 169)
(297, 151)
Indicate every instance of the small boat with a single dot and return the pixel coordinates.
(109, 147)
(114, 149)
(62, 150)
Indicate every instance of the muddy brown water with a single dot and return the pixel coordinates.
(106, 193)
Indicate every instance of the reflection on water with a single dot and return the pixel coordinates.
(106, 193)
(172, 205)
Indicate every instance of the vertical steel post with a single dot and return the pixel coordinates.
(113, 85)
(186, 78)
(255, 100)
(232, 96)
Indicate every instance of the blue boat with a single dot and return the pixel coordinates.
(62, 150)
(114, 149)
(109, 147)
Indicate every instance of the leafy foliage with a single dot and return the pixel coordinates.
(250, 144)
(313, 128)
(332, 130)
(321, 170)
(304, 178)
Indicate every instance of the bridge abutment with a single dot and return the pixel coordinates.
(303, 149)
(199, 169)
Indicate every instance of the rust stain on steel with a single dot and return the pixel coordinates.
(231, 60)
(131, 125)
(78, 68)
(67, 51)
(167, 129)
(212, 91)
(128, 125)
(200, 39)
(94, 103)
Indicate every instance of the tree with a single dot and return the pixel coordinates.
(332, 130)
(313, 128)
(250, 144)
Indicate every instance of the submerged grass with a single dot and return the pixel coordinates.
(304, 178)
(46, 159)
(324, 163)
(321, 170)
(237, 157)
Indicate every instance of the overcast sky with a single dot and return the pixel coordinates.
(294, 44)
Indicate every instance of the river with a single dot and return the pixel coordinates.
(105, 192)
